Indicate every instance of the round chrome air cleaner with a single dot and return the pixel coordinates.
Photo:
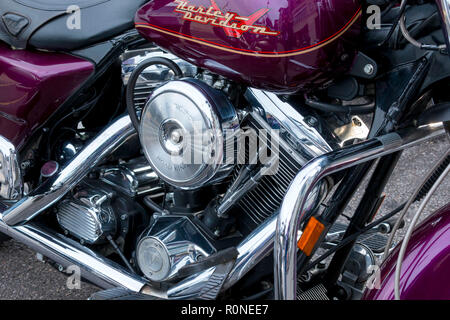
(186, 127)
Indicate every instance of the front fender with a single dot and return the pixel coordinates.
(426, 267)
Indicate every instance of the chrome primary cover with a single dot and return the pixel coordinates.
(184, 130)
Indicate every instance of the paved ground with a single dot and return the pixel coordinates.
(22, 276)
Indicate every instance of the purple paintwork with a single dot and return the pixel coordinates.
(292, 44)
(426, 267)
(32, 86)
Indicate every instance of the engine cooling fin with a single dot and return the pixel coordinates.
(266, 198)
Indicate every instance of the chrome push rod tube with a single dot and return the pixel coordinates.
(56, 187)
(66, 252)
(292, 209)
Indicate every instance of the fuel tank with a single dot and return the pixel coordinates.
(283, 46)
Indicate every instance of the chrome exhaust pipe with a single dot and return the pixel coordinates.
(291, 213)
(66, 252)
(56, 187)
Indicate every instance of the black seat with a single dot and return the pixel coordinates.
(51, 25)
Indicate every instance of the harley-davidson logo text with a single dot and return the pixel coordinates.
(233, 24)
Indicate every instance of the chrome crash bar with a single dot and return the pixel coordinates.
(281, 230)
(291, 214)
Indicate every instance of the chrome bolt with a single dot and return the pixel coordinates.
(311, 121)
(357, 122)
(176, 136)
(369, 69)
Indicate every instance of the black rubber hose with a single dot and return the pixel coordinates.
(350, 110)
(153, 206)
(395, 24)
(135, 76)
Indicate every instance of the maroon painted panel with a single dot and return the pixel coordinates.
(278, 45)
(33, 85)
(426, 268)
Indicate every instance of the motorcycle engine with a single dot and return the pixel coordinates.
(188, 129)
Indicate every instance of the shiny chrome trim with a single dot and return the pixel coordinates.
(186, 143)
(66, 252)
(191, 287)
(252, 250)
(291, 213)
(56, 187)
(444, 9)
(11, 185)
(308, 141)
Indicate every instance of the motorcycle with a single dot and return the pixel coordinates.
(206, 149)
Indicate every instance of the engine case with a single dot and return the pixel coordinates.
(96, 210)
(169, 244)
(88, 215)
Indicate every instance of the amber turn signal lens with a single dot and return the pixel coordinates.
(310, 236)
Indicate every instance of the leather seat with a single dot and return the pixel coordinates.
(51, 25)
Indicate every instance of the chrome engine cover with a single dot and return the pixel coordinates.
(171, 243)
(185, 129)
(104, 206)
(88, 215)
(133, 178)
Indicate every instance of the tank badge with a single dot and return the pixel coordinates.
(233, 24)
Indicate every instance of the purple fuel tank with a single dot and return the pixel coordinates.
(33, 85)
(425, 271)
(276, 45)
